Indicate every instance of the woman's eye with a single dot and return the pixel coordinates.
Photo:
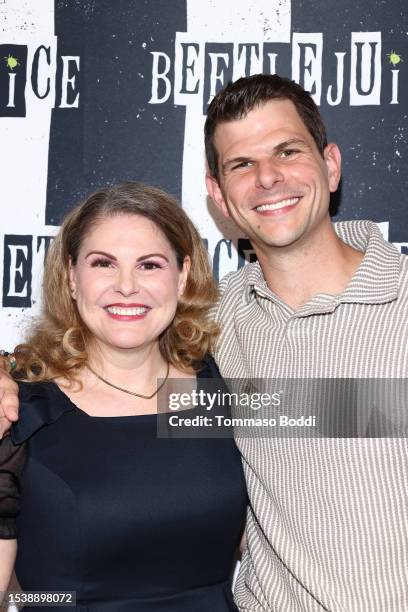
(101, 263)
(150, 265)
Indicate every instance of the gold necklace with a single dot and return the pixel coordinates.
(127, 390)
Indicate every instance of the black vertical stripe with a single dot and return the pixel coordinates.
(115, 134)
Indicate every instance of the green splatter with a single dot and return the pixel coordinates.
(394, 58)
(12, 62)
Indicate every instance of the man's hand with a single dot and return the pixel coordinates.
(8, 400)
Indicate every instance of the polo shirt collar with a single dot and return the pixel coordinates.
(375, 281)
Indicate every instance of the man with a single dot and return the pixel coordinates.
(327, 526)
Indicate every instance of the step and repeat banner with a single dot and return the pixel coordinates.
(95, 92)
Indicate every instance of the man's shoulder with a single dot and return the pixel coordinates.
(403, 270)
(233, 286)
(404, 262)
(242, 278)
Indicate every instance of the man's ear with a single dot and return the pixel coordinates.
(72, 278)
(332, 157)
(215, 193)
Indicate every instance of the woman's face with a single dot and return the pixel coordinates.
(126, 283)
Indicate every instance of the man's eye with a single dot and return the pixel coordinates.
(288, 152)
(243, 164)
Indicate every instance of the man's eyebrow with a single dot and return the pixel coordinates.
(289, 143)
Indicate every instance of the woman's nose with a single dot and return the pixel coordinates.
(127, 282)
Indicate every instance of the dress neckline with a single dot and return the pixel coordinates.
(76, 408)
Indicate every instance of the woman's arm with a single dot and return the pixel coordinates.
(8, 397)
(12, 460)
(8, 551)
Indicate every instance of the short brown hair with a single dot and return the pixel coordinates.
(237, 99)
(57, 345)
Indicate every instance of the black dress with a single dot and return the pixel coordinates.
(129, 521)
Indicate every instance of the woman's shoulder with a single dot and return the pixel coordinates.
(37, 394)
(28, 389)
(41, 403)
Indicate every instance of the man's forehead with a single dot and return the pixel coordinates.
(280, 116)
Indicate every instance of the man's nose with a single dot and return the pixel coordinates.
(268, 173)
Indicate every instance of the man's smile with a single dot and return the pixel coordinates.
(279, 205)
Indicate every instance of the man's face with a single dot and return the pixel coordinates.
(273, 182)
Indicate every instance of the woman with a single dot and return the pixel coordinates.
(129, 521)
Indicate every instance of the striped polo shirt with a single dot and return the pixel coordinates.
(328, 519)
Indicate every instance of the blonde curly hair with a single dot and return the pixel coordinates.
(57, 345)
